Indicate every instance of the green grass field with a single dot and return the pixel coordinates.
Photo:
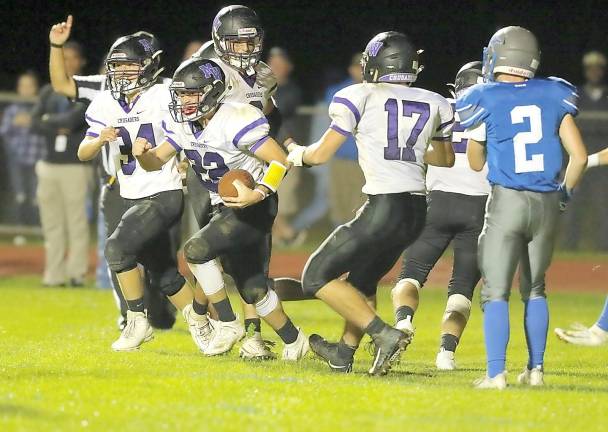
(58, 373)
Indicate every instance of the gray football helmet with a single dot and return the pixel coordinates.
(512, 50)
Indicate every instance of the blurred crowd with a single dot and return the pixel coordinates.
(46, 185)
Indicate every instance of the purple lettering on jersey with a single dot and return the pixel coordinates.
(145, 131)
(209, 70)
(373, 48)
(209, 167)
(392, 151)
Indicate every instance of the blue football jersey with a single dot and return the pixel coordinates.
(522, 120)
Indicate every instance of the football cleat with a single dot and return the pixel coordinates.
(389, 344)
(297, 349)
(328, 351)
(256, 348)
(445, 360)
(534, 377)
(136, 332)
(406, 326)
(578, 334)
(225, 335)
(199, 326)
(499, 382)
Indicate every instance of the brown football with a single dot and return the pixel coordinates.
(225, 187)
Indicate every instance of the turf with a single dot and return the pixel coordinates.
(58, 373)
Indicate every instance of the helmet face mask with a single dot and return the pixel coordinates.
(132, 65)
(197, 89)
(238, 37)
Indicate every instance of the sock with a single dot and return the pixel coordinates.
(403, 312)
(496, 334)
(346, 351)
(224, 310)
(254, 323)
(375, 326)
(136, 305)
(288, 333)
(536, 322)
(199, 309)
(602, 322)
(449, 342)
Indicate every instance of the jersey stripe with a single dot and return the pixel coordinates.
(248, 128)
(350, 106)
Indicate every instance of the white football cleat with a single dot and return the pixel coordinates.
(534, 377)
(199, 326)
(256, 348)
(499, 382)
(445, 360)
(225, 335)
(136, 332)
(297, 349)
(578, 334)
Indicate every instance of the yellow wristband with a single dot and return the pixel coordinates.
(274, 175)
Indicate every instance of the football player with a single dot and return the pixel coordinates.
(597, 334)
(397, 129)
(84, 89)
(218, 136)
(133, 106)
(518, 124)
(455, 208)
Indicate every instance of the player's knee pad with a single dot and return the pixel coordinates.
(254, 289)
(118, 258)
(171, 282)
(209, 276)
(459, 304)
(198, 251)
(401, 284)
(268, 303)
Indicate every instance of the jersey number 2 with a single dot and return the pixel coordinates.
(393, 151)
(533, 136)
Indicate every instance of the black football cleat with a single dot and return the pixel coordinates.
(328, 351)
(389, 344)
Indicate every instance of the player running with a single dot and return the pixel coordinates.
(397, 130)
(218, 136)
(455, 209)
(133, 106)
(597, 334)
(519, 123)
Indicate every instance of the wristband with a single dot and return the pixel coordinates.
(261, 192)
(54, 45)
(593, 160)
(274, 175)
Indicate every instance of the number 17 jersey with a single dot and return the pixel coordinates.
(522, 121)
(392, 125)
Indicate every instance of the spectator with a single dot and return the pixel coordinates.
(347, 179)
(23, 149)
(63, 181)
(191, 48)
(588, 207)
(288, 98)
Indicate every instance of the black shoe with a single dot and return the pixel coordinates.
(389, 344)
(328, 351)
(76, 283)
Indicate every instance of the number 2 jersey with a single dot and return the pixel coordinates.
(142, 118)
(392, 125)
(460, 178)
(521, 122)
(228, 142)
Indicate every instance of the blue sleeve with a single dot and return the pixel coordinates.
(565, 94)
(469, 107)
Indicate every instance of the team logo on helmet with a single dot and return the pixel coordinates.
(210, 71)
(373, 48)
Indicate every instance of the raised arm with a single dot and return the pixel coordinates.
(152, 158)
(60, 80)
(575, 147)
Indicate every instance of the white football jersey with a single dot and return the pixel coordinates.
(142, 118)
(392, 125)
(460, 178)
(228, 142)
(256, 89)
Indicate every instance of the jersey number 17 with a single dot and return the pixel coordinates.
(393, 151)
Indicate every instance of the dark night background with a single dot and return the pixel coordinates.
(318, 34)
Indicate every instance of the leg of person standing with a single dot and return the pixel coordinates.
(74, 188)
(50, 200)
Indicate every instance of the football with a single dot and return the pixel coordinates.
(226, 188)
